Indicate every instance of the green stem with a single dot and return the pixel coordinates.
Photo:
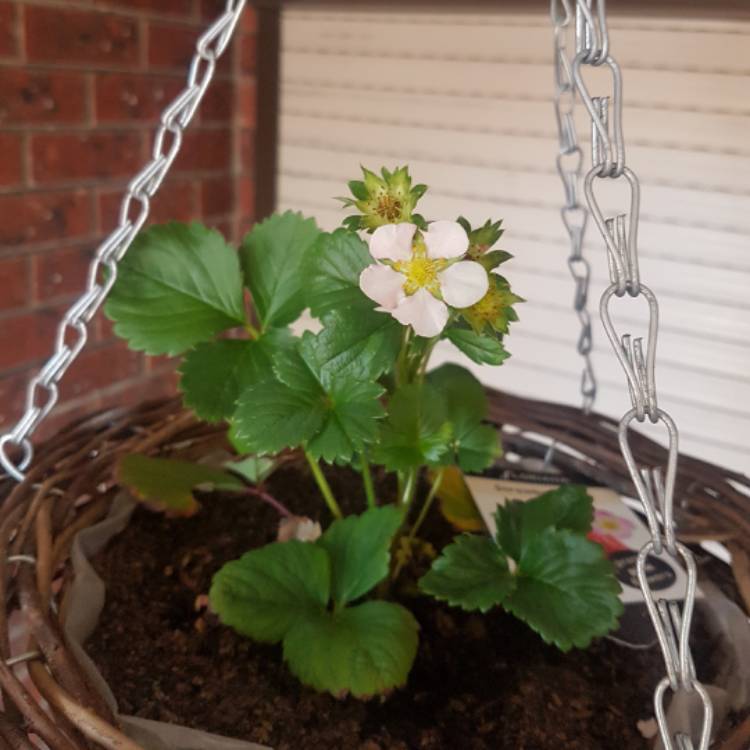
(402, 362)
(367, 479)
(252, 331)
(410, 487)
(427, 503)
(325, 488)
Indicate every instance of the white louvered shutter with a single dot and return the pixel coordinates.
(465, 100)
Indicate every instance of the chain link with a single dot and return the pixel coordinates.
(42, 392)
(655, 487)
(574, 214)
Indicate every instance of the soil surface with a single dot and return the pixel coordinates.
(478, 683)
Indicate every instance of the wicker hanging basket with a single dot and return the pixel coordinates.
(71, 487)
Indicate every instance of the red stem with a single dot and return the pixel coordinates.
(281, 509)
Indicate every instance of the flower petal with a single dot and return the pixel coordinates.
(383, 285)
(392, 241)
(423, 312)
(463, 283)
(445, 239)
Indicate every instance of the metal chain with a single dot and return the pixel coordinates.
(574, 214)
(655, 486)
(42, 392)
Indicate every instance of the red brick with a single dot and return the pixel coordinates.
(249, 20)
(12, 393)
(205, 150)
(27, 337)
(41, 97)
(14, 282)
(247, 150)
(248, 53)
(61, 272)
(64, 157)
(80, 36)
(217, 196)
(245, 197)
(123, 97)
(246, 98)
(100, 368)
(183, 8)
(212, 8)
(218, 103)
(148, 388)
(8, 40)
(175, 201)
(41, 217)
(171, 46)
(11, 159)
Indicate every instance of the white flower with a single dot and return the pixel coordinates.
(301, 528)
(417, 278)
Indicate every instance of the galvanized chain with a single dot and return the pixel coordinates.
(655, 486)
(574, 213)
(42, 392)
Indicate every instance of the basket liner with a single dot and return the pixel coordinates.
(724, 620)
(87, 596)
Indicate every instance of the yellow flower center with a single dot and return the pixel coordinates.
(388, 208)
(421, 272)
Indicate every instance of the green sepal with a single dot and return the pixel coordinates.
(478, 347)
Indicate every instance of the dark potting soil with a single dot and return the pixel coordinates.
(478, 683)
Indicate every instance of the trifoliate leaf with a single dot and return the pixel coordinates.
(335, 416)
(364, 650)
(456, 501)
(494, 312)
(215, 373)
(273, 256)
(168, 483)
(179, 285)
(483, 349)
(271, 589)
(472, 573)
(566, 589)
(475, 446)
(416, 431)
(519, 522)
(359, 548)
(359, 343)
(332, 270)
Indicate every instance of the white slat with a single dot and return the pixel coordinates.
(464, 99)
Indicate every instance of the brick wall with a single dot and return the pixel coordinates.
(82, 83)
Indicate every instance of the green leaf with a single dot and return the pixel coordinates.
(179, 285)
(358, 343)
(462, 395)
(478, 448)
(255, 469)
(493, 259)
(520, 521)
(485, 350)
(472, 573)
(215, 373)
(359, 548)
(271, 589)
(273, 256)
(363, 651)
(475, 446)
(332, 272)
(566, 589)
(416, 431)
(170, 483)
(335, 416)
